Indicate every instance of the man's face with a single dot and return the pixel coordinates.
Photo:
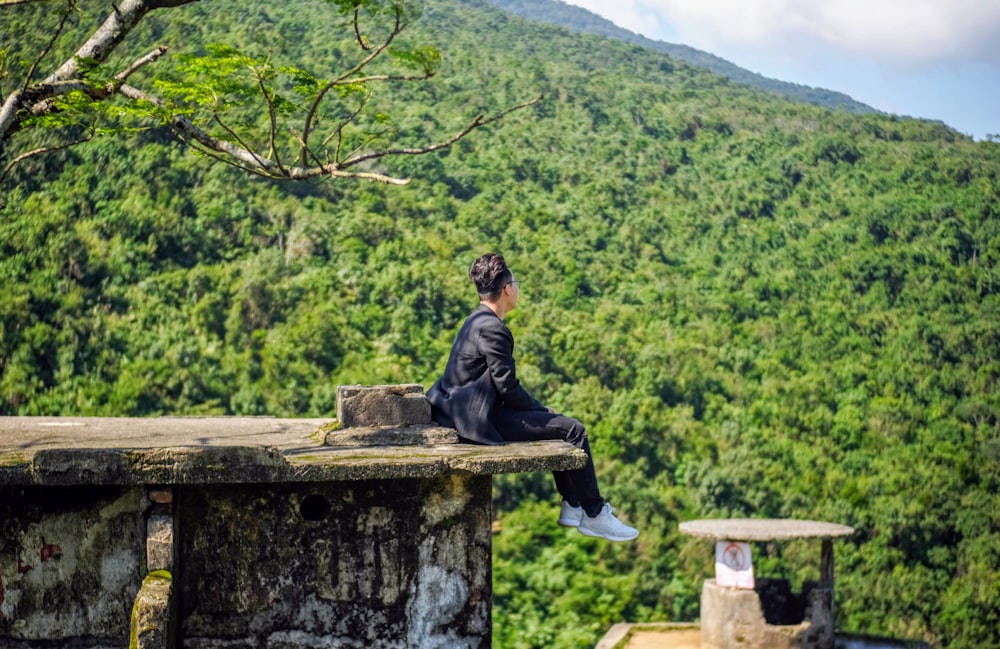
(511, 292)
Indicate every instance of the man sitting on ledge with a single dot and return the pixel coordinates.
(480, 397)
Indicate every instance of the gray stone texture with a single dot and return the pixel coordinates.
(250, 450)
(152, 626)
(160, 542)
(403, 563)
(71, 561)
(736, 618)
(417, 435)
(382, 405)
(763, 529)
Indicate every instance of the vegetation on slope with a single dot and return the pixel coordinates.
(556, 12)
(759, 308)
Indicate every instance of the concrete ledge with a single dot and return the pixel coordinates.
(663, 635)
(422, 435)
(238, 450)
(763, 529)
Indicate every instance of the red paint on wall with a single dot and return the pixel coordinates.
(50, 551)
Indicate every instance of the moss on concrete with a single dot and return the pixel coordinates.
(151, 625)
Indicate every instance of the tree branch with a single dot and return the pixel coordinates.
(372, 55)
(40, 98)
(48, 47)
(477, 122)
(100, 44)
(357, 31)
(374, 177)
(272, 118)
(244, 158)
(184, 125)
(8, 114)
(122, 76)
(39, 151)
(119, 23)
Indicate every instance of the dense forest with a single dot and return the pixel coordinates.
(759, 308)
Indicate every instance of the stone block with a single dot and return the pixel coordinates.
(160, 542)
(160, 496)
(382, 405)
(151, 625)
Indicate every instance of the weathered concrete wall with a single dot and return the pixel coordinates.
(734, 618)
(378, 563)
(71, 561)
(399, 563)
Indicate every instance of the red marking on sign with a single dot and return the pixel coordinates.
(733, 557)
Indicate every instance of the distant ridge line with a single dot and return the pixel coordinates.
(578, 19)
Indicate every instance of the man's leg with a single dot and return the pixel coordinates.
(578, 487)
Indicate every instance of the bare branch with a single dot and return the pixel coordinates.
(8, 114)
(357, 31)
(70, 4)
(373, 54)
(379, 178)
(119, 23)
(122, 76)
(41, 150)
(477, 122)
(241, 144)
(273, 134)
(339, 131)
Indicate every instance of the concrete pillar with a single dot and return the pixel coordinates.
(151, 625)
(152, 622)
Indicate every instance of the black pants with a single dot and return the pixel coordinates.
(578, 487)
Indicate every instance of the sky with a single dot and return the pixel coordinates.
(935, 59)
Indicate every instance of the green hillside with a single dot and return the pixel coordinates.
(758, 307)
(557, 12)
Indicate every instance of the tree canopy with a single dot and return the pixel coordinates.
(276, 120)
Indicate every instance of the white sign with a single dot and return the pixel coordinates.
(733, 565)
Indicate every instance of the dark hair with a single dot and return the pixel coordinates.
(490, 274)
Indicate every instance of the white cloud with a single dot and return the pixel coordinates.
(911, 32)
(645, 18)
(938, 59)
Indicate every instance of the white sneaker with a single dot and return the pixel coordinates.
(607, 526)
(570, 516)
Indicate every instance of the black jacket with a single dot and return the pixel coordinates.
(479, 378)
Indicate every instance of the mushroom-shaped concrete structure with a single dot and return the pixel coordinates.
(770, 615)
